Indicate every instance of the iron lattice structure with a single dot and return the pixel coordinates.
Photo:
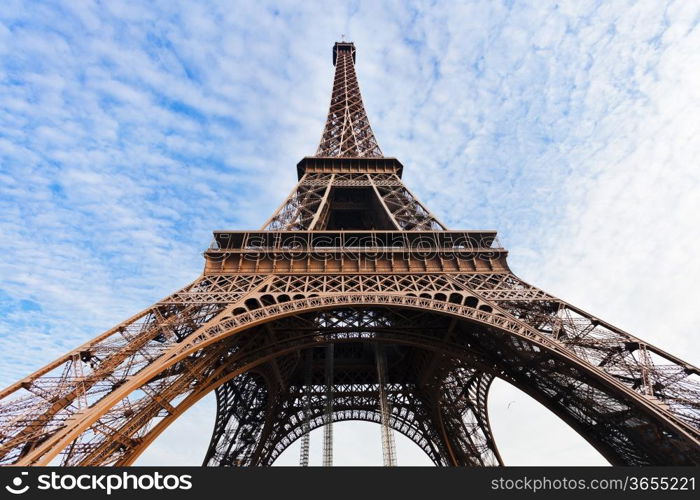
(285, 323)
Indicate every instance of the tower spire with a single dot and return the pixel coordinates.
(347, 132)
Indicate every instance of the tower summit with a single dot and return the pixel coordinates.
(347, 132)
(352, 302)
(347, 142)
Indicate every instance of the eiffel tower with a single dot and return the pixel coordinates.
(352, 302)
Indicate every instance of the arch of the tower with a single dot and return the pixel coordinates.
(413, 421)
(404, 427)
(267, 335)
(225, 453)
(454, 397)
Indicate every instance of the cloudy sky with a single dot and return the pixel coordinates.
(130, 130)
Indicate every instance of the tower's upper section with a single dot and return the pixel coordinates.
(347, 132)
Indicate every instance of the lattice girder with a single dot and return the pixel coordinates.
(356, 398)
(347, 131)
(245, 319)
(306, 207)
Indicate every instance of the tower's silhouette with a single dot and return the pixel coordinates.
(353, 302)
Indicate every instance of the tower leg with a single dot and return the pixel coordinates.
(328, 428)
(459, 412)
(306, 438)
(388, 445)
(241, 408)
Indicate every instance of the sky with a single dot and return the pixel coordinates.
(129, 131)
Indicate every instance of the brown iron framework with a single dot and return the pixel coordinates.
(353, 260)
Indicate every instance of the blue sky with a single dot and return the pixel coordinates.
(130, 130)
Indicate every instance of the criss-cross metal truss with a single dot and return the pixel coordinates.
(388, 444)
(352, 260)
(309, 206)
(347, 131)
